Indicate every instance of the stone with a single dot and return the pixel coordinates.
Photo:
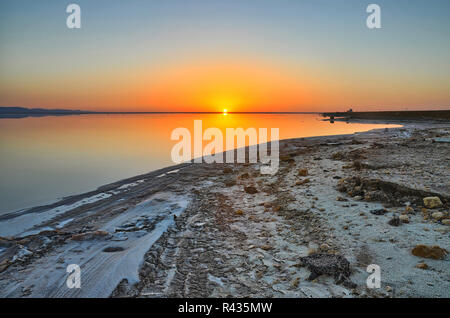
(295, 282)
(303, 172)
(422, 266)
(328, 264)
(227, 170)
(432, 202)
(446, 222)
(437, 216)
(240, 212)
(434, 252)
(404, 218)
(250, 190)
(113, 249)
(395, 221)
(312, 251)
(324, 247)
(301, 182)
(4, 265)
(409, 209)
(379, 212)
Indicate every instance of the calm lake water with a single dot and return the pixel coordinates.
(46, 158)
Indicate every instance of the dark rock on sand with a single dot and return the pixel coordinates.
(227, 170)
(395, 221)
(250, 190)
(378, 212)
(434, 252)
(113, 249)
(328, 264)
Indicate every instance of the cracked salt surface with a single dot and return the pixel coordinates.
(101, 272)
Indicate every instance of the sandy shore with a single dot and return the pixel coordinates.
(201, 230)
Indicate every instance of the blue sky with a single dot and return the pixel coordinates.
(327, 39)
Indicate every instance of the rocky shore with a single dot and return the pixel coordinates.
(336, 205)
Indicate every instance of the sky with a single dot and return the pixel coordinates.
(239, 55)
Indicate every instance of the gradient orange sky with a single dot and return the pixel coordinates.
(212, 55)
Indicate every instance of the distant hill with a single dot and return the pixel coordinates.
(23, 110)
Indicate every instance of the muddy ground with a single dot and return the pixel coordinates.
(225, 230)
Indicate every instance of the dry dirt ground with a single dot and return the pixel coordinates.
(225, 230)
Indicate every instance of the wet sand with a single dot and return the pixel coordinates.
(201, 230)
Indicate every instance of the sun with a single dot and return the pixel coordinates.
(225, 112)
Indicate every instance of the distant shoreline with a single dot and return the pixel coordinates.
(22, 112)
(11, 112)
(391, 115)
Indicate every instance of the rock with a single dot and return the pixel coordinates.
(388, 289)
(227, 170)
(324, 247)
(404, 218)
(244, 176)
(379, 212)
(250, 190)
(446, 222)
(341, 199)
(113, 249)
(301, 182)
(395, 221)
(422, 266)
(240, 212)
(303, 172)
(328, 264)
(312, 251)
(266, 247)
(432, 202)
(4, 265)
(358, 198)
(437, 216)
(409, 209)
(434, 252)
(295, 282)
